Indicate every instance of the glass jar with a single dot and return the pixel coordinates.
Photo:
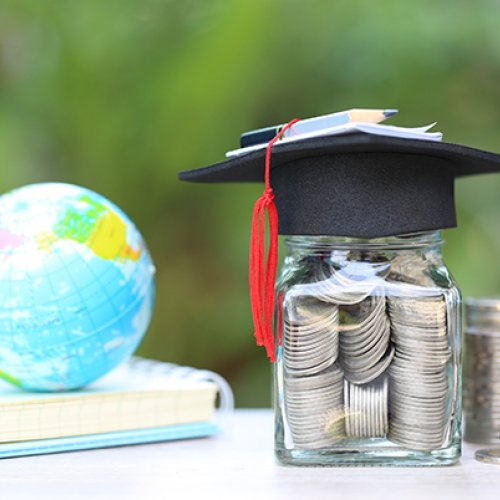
(482, 370)
(368, 370)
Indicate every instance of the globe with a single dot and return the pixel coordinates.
(76, 287)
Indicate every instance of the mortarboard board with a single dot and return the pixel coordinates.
(358, 185)
(355, 185)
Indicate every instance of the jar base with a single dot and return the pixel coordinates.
(369, 458)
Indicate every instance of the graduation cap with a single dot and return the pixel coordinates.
(354, 185)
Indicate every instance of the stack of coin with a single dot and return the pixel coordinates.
(418, 372)
(310, 336)
(366, 408)
(364, 343)
(314, 408)
(482, 371)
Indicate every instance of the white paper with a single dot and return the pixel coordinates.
(418, 133)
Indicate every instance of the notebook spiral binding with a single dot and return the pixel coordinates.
(154, 367)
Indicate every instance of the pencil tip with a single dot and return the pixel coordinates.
(390, 112)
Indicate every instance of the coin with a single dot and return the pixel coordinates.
(339, 287)
(491, 456)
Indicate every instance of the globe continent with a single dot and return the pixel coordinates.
(76, 287)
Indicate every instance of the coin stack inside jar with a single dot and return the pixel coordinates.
(482, 370)
(313, 381)
(418, 374)
(358, 364)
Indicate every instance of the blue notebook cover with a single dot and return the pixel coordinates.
(93, 441)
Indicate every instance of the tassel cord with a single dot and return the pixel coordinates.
(262, 271)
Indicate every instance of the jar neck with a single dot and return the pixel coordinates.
(317, 245)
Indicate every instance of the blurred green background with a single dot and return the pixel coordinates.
(119, 95)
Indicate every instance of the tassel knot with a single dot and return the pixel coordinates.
(267, 197)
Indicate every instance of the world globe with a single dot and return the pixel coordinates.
(76, 287)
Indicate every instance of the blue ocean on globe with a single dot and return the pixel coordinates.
(76, 287)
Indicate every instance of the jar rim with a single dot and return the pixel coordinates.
(397, 242)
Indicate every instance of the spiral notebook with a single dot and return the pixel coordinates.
(143, 401)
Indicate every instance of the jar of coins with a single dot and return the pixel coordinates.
(368, 353)
(482, 370)
(364, 325)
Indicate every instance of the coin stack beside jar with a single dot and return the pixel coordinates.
(482, 370)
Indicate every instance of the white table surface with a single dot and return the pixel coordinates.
(238, 464)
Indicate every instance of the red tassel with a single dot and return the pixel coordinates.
(263, 274)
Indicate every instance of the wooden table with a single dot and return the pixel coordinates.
(238, 464)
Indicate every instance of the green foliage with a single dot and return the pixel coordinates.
(119, 95)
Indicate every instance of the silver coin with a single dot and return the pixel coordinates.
(366, 376)
(307, 308)
(367, 312)
(310, 353)
(364, 340)
(313, 322)
(367, 355)
(491, 456)
(335, 286)
(321, 342)
(297, 338)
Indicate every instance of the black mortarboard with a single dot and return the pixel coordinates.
(359, 185)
